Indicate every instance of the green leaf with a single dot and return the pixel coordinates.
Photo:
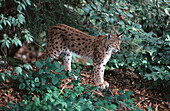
(27, 66)
(40, 71)
(43, 80)
(62, 67)
(14, 77)
(28, 2)
(58, 70)
(1, 27)
(123, 97)
(14, 21)
(9, 23)
(23, 6)
(47, 59)
(113, 106)
(128, 92)
(19, 8)
(21, 18)
(7, 43)
(36, 79)
(121, 91)
(52, 67)
(2, 77)
(38, 64)
(36, 101)
(70, 83)
(154, 77)
(4, 22)
(160, 76)
(2, 45)
(55, 80)
(138, 85)
(18, 70)
(57, 65)
(22, 86)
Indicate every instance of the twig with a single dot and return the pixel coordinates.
(98, 93)
(81, 94)
(153, 98)
(38, 45)
(3, 52)
(6, 86)
(61, 90)
(5, 56)
(141, 101)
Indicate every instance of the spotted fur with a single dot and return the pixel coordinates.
(67, 40)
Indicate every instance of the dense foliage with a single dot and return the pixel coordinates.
(145, 44)
(44, 83)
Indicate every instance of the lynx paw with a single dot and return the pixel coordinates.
(104, 85)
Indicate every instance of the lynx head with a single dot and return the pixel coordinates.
(113, 42)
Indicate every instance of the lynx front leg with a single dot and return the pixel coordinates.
(99, 76)
(99, 68)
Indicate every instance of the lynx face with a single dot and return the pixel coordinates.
(67, 40)
(113, 42)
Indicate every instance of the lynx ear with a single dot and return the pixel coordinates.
(119, 35)
(109, 36)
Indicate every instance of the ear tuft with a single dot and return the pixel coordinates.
(109, 36)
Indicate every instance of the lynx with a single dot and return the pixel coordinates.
(67, 40)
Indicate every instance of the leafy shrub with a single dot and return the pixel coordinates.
(43, 86)
(145, 44)
(12, 20)
(144, 48)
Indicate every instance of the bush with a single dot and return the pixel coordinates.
(12, 25)
(144, 48)
(145, 45)
(43, 86)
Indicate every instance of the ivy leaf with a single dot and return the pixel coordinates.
(48, 59)
(128, 92)
(43, 81)
(22, 86)
(36, 79)
(18, 70)
(27, 66)
(55, 80)
(123, 97)
(36, 101)
(38, 64)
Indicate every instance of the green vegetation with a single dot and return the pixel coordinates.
(145, 48)
(44, 84)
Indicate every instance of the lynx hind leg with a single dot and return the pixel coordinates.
(67, 60)
(67, 56)
(54, 46)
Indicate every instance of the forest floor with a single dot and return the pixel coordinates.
(143, 96)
